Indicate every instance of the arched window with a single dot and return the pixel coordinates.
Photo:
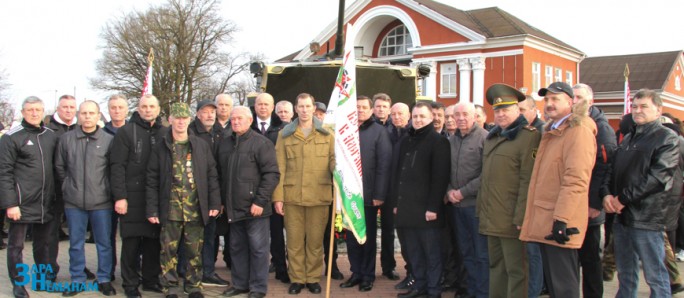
(678, 83)
(396, 42)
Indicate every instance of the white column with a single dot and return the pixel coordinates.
(431, 82)
(464, 90)
(478, 65)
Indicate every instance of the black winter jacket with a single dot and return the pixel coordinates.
(642, 176)
(273, 129)
(421, 179)
(82, 164)
(213, 137)
(376, 160)
(249, 174)
(605, 151)
(26, 173)
(160, 178)
(128, 159)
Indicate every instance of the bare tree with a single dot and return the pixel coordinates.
(6, 108)
(187, 37)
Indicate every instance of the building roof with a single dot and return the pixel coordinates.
(491, 22)
(649, 70)
(289, 57)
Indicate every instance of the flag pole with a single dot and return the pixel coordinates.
(328, 272)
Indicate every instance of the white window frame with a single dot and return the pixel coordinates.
(678, 83)
(447, 74)
(548, 75)
(536, 77)
(397, 42)
(568, 77)
(558, 75)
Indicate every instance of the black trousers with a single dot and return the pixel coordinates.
(387, 261)
(130, 261)
(404, 254)
(590, 261)
(424, 251)
(42, 237)
(561, 271)
(453, 272)
(362, 256)
(115, 225)
(278, 257)
(55, 228)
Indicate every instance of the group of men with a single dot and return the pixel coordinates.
(519, 203)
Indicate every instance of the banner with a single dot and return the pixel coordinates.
(628, 99)
(147, 86)
(343, 118)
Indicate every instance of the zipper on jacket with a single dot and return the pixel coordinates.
(85, 161)
(42, 190)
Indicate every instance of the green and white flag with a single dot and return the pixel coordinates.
(343, 118)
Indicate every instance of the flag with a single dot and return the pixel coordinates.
(628, 100)
(343, 118)
(147, 86)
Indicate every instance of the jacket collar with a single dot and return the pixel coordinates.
(135, 118)
(470, 132)
(244, 136)
(646, 128)
(292, 127)
(56, 118)
(511, 131)
(32, 128)
(421, 132)
(579, 112)
(366, 124)
(275, 122)
(95, 135)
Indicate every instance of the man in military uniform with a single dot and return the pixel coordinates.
(182, 194)
(508, 159)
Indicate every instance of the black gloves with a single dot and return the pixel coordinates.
(560, 232)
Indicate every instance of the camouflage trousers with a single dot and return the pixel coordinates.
(671, 263)
(192, 235)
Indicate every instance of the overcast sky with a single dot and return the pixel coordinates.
(49, 48)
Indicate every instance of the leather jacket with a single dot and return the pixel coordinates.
(642, 176)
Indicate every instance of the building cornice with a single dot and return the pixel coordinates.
(442, 20)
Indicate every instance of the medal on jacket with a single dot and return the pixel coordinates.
(188, 167)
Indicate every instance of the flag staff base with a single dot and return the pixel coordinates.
(328, 272)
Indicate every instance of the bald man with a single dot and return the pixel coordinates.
(269, 125)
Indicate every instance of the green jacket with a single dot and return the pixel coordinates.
(508, 159)
(306, 165)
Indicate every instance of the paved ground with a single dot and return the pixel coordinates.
(383, 286)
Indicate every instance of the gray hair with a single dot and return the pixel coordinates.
(585, 87)
(247, 111)
(117, 96)
(469, 105)
(284, 103)
(30, 100)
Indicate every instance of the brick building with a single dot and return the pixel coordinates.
(467, 50)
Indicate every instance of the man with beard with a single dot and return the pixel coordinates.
(131, 150)
(206, 128)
